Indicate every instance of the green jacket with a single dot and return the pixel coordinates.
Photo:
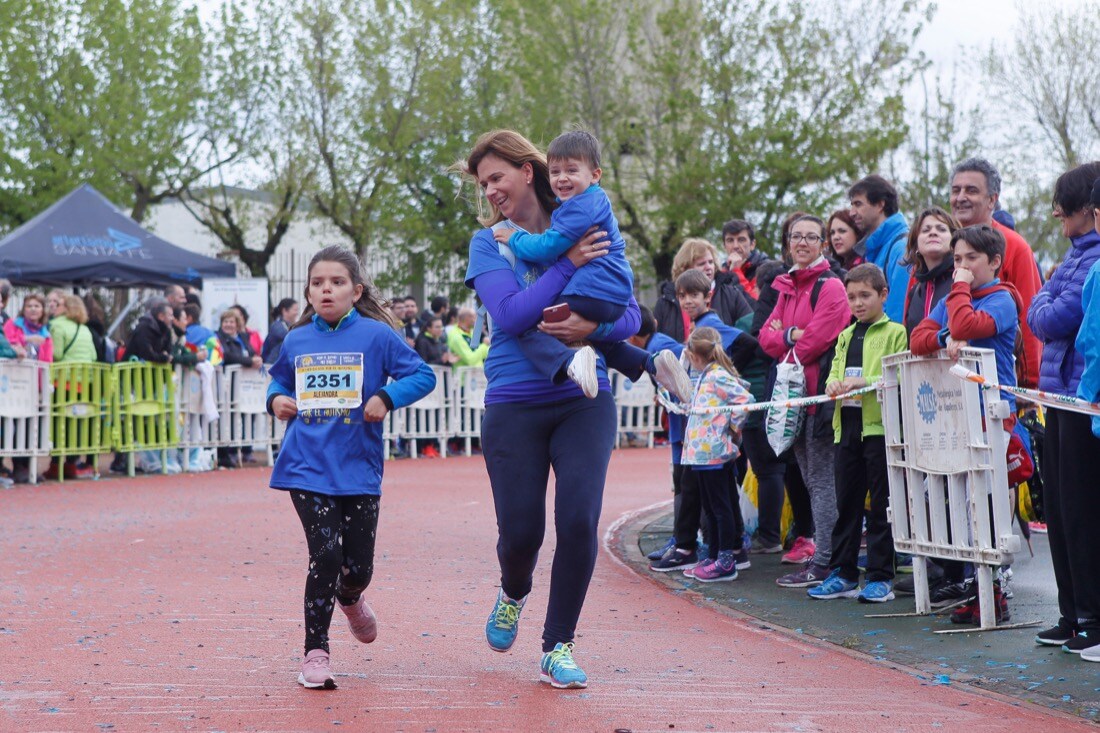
(458, 343)
(883, 338)
(72, 341)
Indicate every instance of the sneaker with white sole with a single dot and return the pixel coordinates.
(503, 625)
(675, 559)
(582, 370)
(877, 591)
(834, 586)
(723, 568)
(660, 551)
(560, 669)
(316, 674)
(671, 375)
(361, 620)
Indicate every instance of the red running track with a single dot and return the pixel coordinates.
(174, 603)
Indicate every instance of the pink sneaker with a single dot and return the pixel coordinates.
(801, 551)
(361, 620)
(315, 671)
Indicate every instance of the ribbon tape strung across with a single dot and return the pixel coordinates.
(757, 406)
(1061, 402)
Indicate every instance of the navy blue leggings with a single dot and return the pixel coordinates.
(520, 443)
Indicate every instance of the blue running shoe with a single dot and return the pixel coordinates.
(660, 552)
(503, 624)
(559, 669)
(834, 586)
(877, 591)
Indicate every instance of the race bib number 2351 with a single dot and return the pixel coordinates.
(328, 381)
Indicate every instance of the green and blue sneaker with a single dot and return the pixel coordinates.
(503, 624)
(559, 669)
(834, 586)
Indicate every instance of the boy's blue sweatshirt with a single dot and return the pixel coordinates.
(335, 451)
(608, 278)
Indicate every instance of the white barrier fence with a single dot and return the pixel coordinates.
(949, 494)
(25, 411)
(227, 408)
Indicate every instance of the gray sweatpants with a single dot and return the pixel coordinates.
(815, 460)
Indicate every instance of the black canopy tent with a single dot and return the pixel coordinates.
(84, 240)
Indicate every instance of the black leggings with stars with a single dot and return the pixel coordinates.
(340, 532)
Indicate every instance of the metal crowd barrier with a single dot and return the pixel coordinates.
(90, 409)
(144, 414)
(82, 410)
(25, 411)
(948, 479)
(638, 411)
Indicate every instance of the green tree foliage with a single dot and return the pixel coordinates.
(103, 91)
(719, 109)
(254, 114)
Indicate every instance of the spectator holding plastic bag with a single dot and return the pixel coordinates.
(811, 311)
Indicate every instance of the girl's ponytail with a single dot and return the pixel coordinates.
(706, 343)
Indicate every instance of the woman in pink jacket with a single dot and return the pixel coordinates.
(811, 312)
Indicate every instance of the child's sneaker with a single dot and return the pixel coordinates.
(361, 620)
(671, 375)
(809, 576)
(834, 586)
(316, 674)
(690, 572)
(558, 668)
(503, 624)
(742, 560)
(582, 370)
(877, 591)
(801, 551)
(724, 568)
(675, 559)
(660, 552)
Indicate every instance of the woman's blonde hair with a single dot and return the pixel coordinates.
(74, 308)
(691, 250)
(515, 149)
(236, 316)
(706, 343)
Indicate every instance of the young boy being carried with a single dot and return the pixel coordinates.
(599, 291)
(861, 444)
(982, 312)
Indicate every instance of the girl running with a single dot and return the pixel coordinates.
(337, 357)
(710, 448)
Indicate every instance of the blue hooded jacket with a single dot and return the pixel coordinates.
(886, 248)
(1088, 343)
(1056, 313)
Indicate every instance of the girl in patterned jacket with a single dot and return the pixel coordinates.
(710, 447)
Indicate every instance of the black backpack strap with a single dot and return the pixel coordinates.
(818, 284)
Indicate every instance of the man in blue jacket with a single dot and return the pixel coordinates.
(874, 206)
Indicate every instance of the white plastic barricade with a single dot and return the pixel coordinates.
(948, 477)
(196, 430)
(469, 404)
(25, 411)
(430, 417)
(247, 422)
(636, 404)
